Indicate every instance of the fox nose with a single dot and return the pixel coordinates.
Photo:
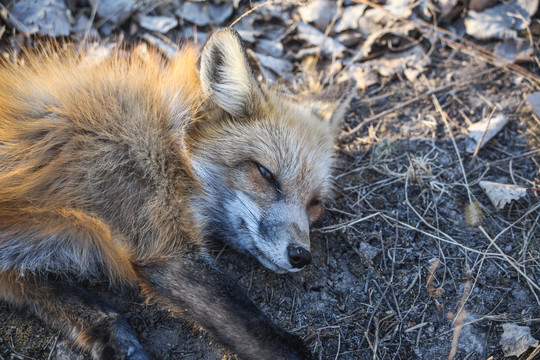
(299, 256)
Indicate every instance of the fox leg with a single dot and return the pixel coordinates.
(194, 288)
(90, 323)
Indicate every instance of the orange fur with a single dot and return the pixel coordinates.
(119, 167)
(50, 98)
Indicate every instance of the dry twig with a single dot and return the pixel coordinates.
(412, 101)
(469, 47)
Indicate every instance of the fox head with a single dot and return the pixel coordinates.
(264, 160)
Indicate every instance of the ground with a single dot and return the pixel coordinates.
(398, 264)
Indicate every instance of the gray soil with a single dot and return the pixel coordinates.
(369, 293)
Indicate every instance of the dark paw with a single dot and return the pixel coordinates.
(120, 343)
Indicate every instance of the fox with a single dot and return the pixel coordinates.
(124, 168)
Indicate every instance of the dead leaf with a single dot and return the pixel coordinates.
(269, 47)
(351, 19)
(374, 20)
(281, 67)
(399, 30)
(316, 38)
(477, 130)
(502, 194)
(516, 339)
(318, 12)
(160, 24)
(362, 73)
(534, 100)
(204, 13)
(410, 62)
(501, 21)
(46, 17)
(116, 11)
(513, 50)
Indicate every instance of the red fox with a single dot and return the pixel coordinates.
(123, 168)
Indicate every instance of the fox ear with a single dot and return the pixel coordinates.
(226, 77)
(331, 104)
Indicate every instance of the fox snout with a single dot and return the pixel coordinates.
(290, 244)
(299, 256)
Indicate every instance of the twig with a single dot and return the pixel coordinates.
(266, 3)
(420, 331)
(341, 226)
(482, 138)
(534, 353)
(445, 117)
(460, 317)
(329, 27)
(338, 344)
(91, 20)
(446, 239)
(383, 295)
(432, 290)
(411, 101)
(376, 346)
(52, 348)
(475, 50)
(531, 283)
(502, 317)
(416, 327)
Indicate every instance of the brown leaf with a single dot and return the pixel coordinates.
(512, 51)
(46, 17)
(515, 339)
(502, 194)
(501, 21)
(484, 131)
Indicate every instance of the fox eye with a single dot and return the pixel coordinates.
(266, 173)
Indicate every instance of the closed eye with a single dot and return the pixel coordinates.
(265, 173)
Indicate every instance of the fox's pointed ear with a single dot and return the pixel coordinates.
(331, 104)
(226, 77)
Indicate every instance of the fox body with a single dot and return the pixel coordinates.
(122, 167)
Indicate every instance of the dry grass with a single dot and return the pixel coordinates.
(418, 191)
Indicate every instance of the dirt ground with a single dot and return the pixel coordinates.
(398, 266)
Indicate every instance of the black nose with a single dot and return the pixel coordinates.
(298, 256)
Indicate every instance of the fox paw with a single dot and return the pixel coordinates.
(120, 343)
